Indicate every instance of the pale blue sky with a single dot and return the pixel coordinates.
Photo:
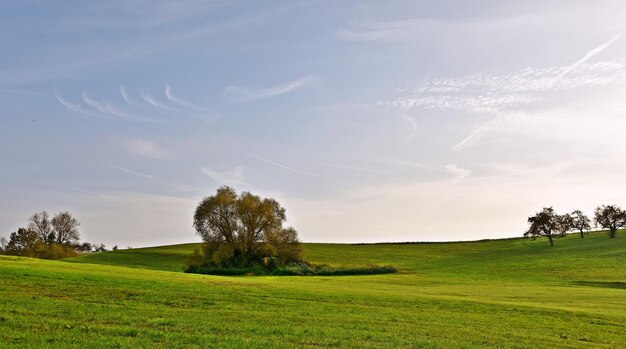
(368, 121)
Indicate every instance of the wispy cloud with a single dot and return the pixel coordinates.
(238, 94)
(398, 30)
(457, 172)
(233, 177)
(88, 192)
(145, 103)
(413, 124)
(125, 96)
(491, 93)
(171, 106)
(110, 109)
(295, 170)
(76, 108)
(504, 98)
(587, 57)
(147, 149)
(153, 102)
(361, 35)
(182, 103)
(476, 134)
(175, 185)
(350, 168)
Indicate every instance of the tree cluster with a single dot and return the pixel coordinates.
(552, 225)
(243, 231)
(48, 238)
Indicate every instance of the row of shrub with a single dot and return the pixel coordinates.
(294, 269)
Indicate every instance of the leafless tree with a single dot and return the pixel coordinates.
(40, 223)
(65, 228)
(3, 244)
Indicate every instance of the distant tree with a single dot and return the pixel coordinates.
(549, 224)
(23, 242)
(244, 230)
(610, 217)
(46, 238)
(100, 248)
(40, 223)
(84, 247)
(580, 222)
(115, 248)
(65, 228)
(3, 244)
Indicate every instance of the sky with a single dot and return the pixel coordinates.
(368, 121)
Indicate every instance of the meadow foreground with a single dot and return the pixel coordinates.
(503, 293)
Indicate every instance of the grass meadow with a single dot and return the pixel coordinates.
(510, 293)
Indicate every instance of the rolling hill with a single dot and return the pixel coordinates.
(508, 293)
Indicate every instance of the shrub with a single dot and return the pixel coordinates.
(293, 269)
(211, 270)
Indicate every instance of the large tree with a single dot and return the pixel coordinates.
(580, 222)
(244, 230)
(610, 217)
(549, 224)
(65, 228)
(40, 223)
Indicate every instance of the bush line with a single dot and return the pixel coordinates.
(300, 269)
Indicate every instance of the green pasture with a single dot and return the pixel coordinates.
(509, 293)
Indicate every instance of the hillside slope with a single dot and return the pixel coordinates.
(572, 258)
(503, 293)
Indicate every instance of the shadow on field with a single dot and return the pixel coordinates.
(612, 284)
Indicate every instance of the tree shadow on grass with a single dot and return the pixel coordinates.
(604, 284)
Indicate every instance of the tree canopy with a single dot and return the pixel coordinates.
(610, 217)
(580, 222)
(549, 224)
(65, 228)
(243, 230)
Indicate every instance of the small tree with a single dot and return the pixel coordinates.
(3, 244)
(84, 247)
(65, 228)
(580, 222)
(40, 223)
(610, 217)
(549, 224)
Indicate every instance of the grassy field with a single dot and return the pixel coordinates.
(503, 294)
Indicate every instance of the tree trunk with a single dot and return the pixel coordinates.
(581, 234)
(551, 242)
(612, 234)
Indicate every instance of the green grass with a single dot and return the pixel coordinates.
(503, 294)
(170, 258)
